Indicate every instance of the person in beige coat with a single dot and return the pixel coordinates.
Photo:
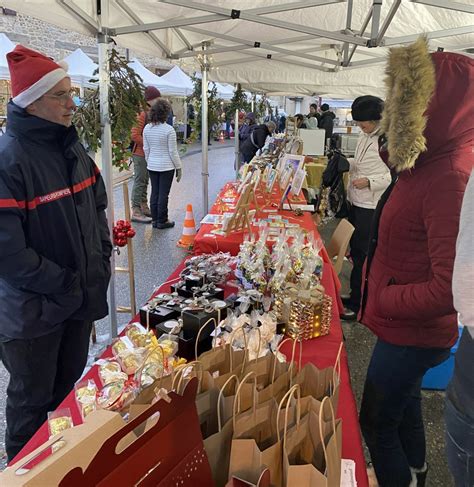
(369, 177)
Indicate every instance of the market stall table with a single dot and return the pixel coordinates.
(320, 351)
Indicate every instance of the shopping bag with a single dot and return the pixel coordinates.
(281, 374)
(257, 442)
(320, 383)
(263, 480)
(171, 452)
(206, 397)
(222, 362)
(218, 445)
(312, 451)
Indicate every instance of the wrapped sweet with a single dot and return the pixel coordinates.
(117, 396)
(86, 392)
(59, 420)
(169, 344)
(138, 336)
(118, 346)
(110, 371)
(132, 359)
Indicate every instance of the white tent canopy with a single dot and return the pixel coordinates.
(179, 80)
(81, 68)
(292, 47)
(6, 45)
(226, 92)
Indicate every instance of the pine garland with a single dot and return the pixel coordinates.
(126, 102)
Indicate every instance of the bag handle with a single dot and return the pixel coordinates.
(194, 365)
(293, 353)
(295, 392)
(198, 336)
(326, 400)
(250, 375)
(336, 373)
(221, 394)
(231, 343)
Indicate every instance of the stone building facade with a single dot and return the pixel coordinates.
(58, 43)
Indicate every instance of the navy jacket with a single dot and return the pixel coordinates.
(255, 141)
(54, 240)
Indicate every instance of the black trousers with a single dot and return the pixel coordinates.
(42, 371)
(161, 182)
(361, 218)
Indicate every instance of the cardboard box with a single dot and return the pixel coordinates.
(81, 445)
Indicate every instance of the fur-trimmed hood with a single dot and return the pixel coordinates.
(429, 110)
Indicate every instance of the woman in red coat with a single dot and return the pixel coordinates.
(407, 301)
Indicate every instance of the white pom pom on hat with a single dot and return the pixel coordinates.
(32, 74)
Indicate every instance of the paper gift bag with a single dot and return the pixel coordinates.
(320, 383)
(256, 442)
(171, 452)
(222, 362)
(206, 398)
(281, 374)
(312, 451)
(218, 445)
(263, 480)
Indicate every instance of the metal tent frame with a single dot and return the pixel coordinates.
(341, 44)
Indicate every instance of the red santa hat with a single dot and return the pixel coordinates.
(32, 74)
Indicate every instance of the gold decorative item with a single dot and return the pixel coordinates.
(309, 320)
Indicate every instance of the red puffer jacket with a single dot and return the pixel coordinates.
(407, 296)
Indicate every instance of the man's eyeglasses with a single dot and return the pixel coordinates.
(62, 98)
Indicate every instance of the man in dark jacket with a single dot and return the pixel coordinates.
(326, 121)
(54, 245)
(256, 140)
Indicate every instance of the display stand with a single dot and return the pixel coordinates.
(130, 270)
(240, 219)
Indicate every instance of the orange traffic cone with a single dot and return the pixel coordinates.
(189, 229)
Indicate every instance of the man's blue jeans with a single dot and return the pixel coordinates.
(459, 445)
(390, 416)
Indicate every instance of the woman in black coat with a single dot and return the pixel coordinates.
(256, 140)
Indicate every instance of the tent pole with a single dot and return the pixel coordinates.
(204, 130)
(106, 145)
(236, 142)
(185, 121)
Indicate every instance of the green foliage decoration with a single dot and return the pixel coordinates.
(126, 102)
(213, 107)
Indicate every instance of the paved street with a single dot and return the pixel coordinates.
(156, 256)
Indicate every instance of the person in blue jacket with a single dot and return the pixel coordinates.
(54, 245)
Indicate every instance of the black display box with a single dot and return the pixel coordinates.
(158, 315)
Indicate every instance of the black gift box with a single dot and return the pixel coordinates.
(157, 315)
(193, 280)
(193, 321)
(182, 291)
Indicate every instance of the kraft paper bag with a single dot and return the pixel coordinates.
(312, 451)
(218, 444)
